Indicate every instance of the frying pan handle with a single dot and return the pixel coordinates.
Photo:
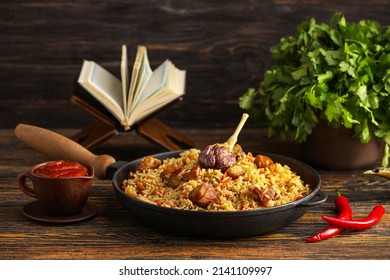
(319, 198)
(58, 147)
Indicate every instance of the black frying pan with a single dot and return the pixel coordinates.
(216, 223)
(182, 222)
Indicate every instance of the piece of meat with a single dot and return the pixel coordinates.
(264, 197)
(149, 162)
(192, 174)
(235, 171)
(203, 195)
(262, 161)
(172, 176)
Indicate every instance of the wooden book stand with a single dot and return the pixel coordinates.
(107, 126)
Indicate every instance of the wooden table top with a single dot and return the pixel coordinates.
(114, 234)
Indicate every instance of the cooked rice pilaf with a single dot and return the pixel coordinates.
(170, 183)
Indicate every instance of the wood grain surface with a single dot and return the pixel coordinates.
(115, 234)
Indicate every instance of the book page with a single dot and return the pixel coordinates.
(171, 88)
(140, 76)
(124, 77)
(166, 84)
(104, 86)
(156, 83)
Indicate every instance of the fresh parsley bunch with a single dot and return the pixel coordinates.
(338, 71)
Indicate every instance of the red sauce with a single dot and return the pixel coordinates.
(62, 169)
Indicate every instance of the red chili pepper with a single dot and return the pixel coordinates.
(345, 213)
(372, 219)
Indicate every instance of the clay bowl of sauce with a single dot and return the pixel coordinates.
(61, 187)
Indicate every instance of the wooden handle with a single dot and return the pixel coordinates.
(57, 147)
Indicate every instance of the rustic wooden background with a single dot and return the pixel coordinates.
(224, 45)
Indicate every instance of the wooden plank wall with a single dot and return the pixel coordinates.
(224, 45)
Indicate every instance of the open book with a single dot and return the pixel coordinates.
(133, 98)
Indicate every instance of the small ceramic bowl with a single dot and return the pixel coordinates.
(63, 196)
